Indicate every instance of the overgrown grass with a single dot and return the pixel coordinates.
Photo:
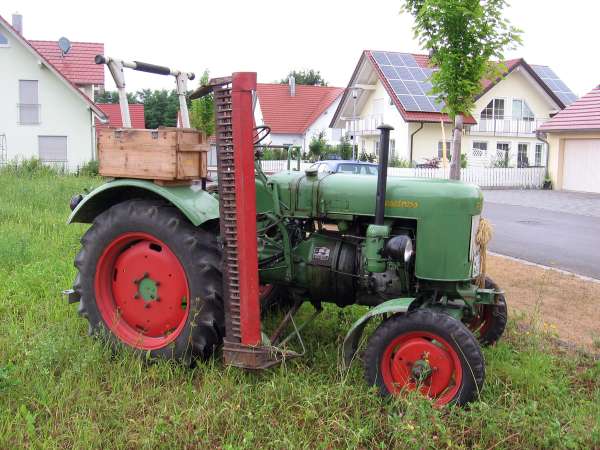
(60, 389)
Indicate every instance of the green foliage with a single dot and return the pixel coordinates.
(317, 148)
(160, 107)
(113, 97)
(309, 77)
(29, 168)
(364, 157)
(344, 148)
(90, 169)
(399, 162)
(202, 110)
(62, 389)
(463, 161)
(462, 36)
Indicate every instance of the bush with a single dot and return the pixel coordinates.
(463, 161)
(90, 169)
(399, 162)
(30, 167)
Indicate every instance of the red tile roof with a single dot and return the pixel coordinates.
(581, 115)
(113, 111)
(287, 114)
(78, 65)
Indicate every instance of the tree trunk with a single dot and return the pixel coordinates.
(456, 139)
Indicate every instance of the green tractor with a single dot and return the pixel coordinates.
(178, 271)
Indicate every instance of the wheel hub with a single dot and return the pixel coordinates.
(142, 291)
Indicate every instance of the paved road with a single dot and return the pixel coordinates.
(546, 234)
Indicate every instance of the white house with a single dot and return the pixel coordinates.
(46, 107)
(394, 88)
(296, 113)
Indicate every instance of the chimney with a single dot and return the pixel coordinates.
(17, 23)
(292, 83)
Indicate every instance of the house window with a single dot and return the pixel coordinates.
(494, 109)
(521, 111)
(52, 149)
(3, 41)
(502, 153)
(538, 154)
(522, 159)
(441, 150)
(29, 108)
(479, 148)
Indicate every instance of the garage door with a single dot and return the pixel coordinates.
(581, 170)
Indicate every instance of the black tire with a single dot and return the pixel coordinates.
(461, 342)
(199, 255)
(490, 322)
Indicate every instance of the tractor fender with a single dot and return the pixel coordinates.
(352, 339)
(197, 205)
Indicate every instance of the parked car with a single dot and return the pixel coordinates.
(345, 166)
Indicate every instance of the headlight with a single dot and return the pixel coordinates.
(400, 248)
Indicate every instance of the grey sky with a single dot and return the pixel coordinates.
(273, 36)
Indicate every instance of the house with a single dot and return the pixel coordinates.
(297, 113)
(394, 88)
(47, 109)
(574, 138)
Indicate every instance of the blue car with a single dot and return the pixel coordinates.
(345, 166)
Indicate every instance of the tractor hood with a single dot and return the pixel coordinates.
(340, 195)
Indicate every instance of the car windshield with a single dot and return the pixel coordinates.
(357, 169)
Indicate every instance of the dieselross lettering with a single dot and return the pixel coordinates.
(401, 204)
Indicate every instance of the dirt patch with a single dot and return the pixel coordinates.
(555, 301)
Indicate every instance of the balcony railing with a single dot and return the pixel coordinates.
(364, 126)
(507, 126)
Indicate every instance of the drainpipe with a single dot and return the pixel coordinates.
(541, 136)
(411, 143)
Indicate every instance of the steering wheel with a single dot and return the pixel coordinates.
(261, 133)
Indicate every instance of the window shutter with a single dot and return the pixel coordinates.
(52, 148)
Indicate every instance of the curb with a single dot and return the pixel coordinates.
(541, 266)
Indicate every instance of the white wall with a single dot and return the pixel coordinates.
(62, 113)
(322, 124)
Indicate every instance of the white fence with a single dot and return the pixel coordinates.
(491, 178)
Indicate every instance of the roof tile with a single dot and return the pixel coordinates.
(113, 112)
(583, 114)
(78, 65)
(287, 114)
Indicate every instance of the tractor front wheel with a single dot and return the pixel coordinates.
(150, 280)
(426, 351)
(489, 321)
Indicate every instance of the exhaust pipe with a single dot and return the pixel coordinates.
(384, 150)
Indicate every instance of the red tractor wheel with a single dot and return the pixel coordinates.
(426, 351)
(489, 322)
(150, 280)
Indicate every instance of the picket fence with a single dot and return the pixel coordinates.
(484, 177)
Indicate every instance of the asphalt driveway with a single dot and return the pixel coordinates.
(556, 229)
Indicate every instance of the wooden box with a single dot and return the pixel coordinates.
(165, 154)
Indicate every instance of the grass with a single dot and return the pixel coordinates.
(60, 389)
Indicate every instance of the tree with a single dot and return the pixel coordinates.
(160, 107)
(462, 36)
(113, 97)
(309, 77)
(317, 146)
(202, 110)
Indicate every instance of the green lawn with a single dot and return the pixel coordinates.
(59, 388)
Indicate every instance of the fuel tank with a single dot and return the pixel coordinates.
(444, 212)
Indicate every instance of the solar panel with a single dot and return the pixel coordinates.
(555, 84)
(409, 81)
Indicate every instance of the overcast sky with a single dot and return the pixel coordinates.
(272, 37)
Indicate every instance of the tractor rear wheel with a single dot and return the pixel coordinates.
(150, 280)
(426, 351)
(489, 322)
